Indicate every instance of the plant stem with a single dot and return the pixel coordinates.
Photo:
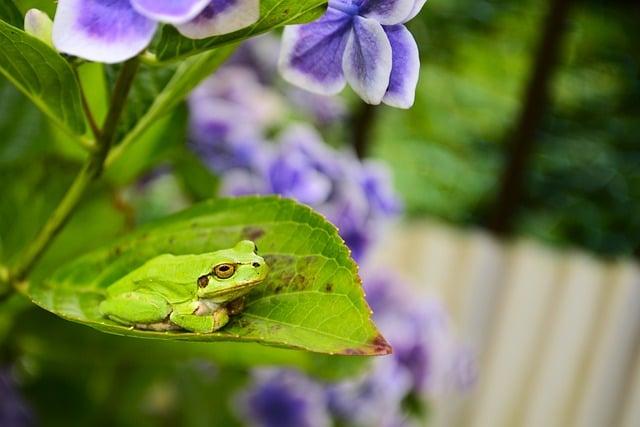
(363, 122)
(95, 130)
(91, 170)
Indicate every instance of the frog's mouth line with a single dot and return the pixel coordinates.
(235, 289)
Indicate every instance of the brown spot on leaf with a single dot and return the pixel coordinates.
(328, 287)
(299, 282)
(252, 233)
(354, 352)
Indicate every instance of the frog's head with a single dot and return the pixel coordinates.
(235, 272)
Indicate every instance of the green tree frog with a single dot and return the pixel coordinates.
(193, 292)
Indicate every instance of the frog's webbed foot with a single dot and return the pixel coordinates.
(236, 306)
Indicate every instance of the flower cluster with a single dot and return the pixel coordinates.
(360, 42)
(232, 116)
(427, 362)
(115, 30)
(280, 398)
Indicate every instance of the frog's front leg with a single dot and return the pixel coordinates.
(184, 315)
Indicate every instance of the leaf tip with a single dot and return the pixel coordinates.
(377, 347)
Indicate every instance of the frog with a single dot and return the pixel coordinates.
(196, 293)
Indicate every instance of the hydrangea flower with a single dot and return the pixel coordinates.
(360, 42)
(301, 166)
(115, 30)
(230, 113)
(279, 398)
(372, 399)
(419, 330)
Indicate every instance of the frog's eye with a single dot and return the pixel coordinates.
(224, 271)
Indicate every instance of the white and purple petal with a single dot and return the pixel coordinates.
(367, 60)
(171, 11)
(311, 55)
(417, 7)
(406, 67)
(107, 31)
(387, 12)
(221, 17)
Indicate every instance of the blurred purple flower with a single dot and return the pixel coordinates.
(421, 335)
(14, 412)
(279, 398)
(348, 192)
(323, 109)
(259, 54)
(230, 113)
(372, 399)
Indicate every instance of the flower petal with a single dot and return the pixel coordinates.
(367, 60)
(222, 17)
(406, 67)
(311, 55)
(417, 7)
(387, 12)
(101, 31)
(172, 11)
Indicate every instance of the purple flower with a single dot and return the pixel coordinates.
(323, 109)
(335, 183)
(360, 42)
(372, 399)
(115, 30)
(260, 55)
(278, 398)
(229, 114)
(421, 335)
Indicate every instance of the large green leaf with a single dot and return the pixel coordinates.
(312, 299)
(273, 14)
(43, 75)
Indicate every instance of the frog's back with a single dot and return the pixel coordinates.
(173, 277)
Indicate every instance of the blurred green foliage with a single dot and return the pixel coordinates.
(583, 187)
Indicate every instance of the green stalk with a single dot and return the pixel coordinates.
(91, 171)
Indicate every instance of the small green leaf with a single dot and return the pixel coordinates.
(10, 14)
(43, 75)
(273, 14)
(312, 298)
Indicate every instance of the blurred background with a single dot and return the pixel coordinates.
(497, 225)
